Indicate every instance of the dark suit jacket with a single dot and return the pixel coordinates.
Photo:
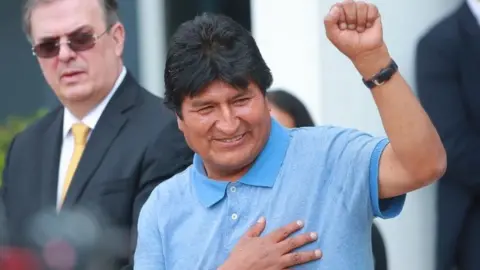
(448, 84)
(135, 145)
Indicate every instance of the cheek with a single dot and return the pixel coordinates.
(204, 120)
(49, 70)
(90, 60)
(248, 109)
(97, 68)
(255, 113)
(196, 131)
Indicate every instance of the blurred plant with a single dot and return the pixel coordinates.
(12, 127)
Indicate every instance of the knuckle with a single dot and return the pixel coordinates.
(285, 232)
(292, 243)
(296, 258)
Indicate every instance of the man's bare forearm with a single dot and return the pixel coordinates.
(412, 135)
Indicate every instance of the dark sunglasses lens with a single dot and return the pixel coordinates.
(46, 49)
(81, 41)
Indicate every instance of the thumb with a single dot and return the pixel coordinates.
(332, 19)
(257, 228)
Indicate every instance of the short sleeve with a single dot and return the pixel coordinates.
(356, 157)
(149, 251)
(384, 208)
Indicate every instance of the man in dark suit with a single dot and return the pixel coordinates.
(448, 83)
(83, 172)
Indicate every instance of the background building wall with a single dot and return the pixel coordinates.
(292, 40)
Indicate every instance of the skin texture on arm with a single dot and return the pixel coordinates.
(415, 156)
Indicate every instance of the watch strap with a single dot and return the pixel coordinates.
(383, 76)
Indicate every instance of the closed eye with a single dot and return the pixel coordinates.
(241, 101)
(205, 110)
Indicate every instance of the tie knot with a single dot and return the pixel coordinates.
(80, 133)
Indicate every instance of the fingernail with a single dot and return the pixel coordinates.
(369, 24)
(300, 223)
(313, 236)
(343, 26)
(352, 26)
(261, 220)
(318, 253)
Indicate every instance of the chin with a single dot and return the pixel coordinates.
(235, 161)
(76, 93)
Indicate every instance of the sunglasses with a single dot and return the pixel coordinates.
(77, 41)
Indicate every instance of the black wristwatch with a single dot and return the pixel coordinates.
(383, 76)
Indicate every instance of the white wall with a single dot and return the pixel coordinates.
(291, 37)
(151, 44)
(289, 40)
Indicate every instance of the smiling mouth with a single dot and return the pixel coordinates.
(232, 140)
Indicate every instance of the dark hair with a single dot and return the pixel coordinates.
(110, 11)
(291, 105)
(212, 47)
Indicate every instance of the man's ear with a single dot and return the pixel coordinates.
(268, 104)
(180, 122)
(118, 35)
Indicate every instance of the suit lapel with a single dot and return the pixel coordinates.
(109, 126)
(52, 142)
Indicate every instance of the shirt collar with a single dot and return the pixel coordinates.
(93, 116)
(263, 173)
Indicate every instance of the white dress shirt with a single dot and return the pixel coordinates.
(90, 120)
(474, 6)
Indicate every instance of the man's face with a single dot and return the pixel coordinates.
(227, 127)
(77, 76)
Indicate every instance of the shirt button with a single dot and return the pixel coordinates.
(234, 216)
(233, 189)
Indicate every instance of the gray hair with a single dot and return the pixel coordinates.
(110, 11)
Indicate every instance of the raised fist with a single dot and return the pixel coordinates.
(354, 28)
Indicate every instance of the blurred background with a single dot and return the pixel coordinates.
(291, 37)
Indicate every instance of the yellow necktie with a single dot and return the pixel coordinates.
(80, 134)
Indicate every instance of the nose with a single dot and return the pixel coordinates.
(65, 52)
(228, 122)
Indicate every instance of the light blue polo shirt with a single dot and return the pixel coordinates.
(326, 176)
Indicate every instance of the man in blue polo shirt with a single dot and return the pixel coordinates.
(248, 168)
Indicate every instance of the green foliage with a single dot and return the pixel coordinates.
(13, 126)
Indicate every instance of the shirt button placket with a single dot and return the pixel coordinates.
(234, 214)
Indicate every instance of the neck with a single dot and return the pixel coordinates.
(81, 109)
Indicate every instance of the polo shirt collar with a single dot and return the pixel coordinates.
(263, 173)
